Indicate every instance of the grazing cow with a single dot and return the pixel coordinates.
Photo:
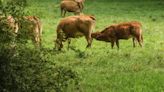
(10, 22)
(70, 6)
(35, 29)
(80, 3)
(73, 27)
(114, 33)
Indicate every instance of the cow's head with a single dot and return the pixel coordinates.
(58, 44)
(102, 36)
(95, 34)
(99, 36)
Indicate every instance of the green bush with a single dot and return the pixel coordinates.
(24, 69)
(27, 70)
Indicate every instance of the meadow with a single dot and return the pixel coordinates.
(101, 68)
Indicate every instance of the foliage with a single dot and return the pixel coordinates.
(24, 69)
(14, 8)
(6, 33)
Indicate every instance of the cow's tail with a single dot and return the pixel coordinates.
(141, 32)
(142, 38)
(138, 30)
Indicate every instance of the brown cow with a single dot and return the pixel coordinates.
(73, 27)
(114, 33)
(71, 6)
(80, 3)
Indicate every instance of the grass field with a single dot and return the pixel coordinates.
(101, 68)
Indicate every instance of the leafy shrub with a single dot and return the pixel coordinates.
(6, 33)
(24, 69)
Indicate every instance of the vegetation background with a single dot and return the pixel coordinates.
(100, 68)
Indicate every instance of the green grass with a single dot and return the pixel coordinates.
(101, 68)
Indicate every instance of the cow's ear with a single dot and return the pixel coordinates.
(92, 17)
(106, 28)
(98, 34)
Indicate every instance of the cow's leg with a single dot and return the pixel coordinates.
(58, 44)
(16, 28)
(133, 42)
(61, 46)
(89, 40)
(36, 36)
(117, 43)
(69, 41)
(39, 42)
(112, 44)
(142, 38)
(139, 40)
(88, 37)
(64, 13)
(40, 34)
(61, 12)
(80, 4)
(34, 41)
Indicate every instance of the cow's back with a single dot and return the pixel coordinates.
(75, 26)
(127, 30)
(68, 26)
